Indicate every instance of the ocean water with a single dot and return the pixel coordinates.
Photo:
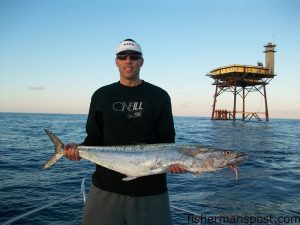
(267, 190)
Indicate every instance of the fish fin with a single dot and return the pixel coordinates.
(58, 146)
(158, 170)
(53, 160)
(129, 178)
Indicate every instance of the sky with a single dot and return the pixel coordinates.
(55, 53)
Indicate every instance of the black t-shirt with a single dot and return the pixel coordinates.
(121, 115)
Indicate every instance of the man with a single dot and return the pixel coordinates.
(130, 111)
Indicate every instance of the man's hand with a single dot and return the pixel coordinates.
(71, 152)
(177, 168)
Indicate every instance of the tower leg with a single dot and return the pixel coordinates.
(243, 116)
(215, 100)
(266, 103)
(234, 102)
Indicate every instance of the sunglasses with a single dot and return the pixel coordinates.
(131, 56)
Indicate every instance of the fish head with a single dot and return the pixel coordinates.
(224, 158)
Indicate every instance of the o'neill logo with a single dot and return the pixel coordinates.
(133, 109)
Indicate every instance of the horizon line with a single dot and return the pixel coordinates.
(199, 116)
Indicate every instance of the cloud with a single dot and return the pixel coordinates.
(37, 88)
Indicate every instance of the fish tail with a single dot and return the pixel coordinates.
(59, 149)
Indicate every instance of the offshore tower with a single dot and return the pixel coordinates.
(241, 80)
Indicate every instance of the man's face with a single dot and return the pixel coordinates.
(129, 65)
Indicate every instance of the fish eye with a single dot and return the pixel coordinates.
(227, 152)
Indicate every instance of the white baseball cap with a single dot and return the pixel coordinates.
(129, 45)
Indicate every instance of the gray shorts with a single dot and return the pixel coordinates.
(106, 208)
